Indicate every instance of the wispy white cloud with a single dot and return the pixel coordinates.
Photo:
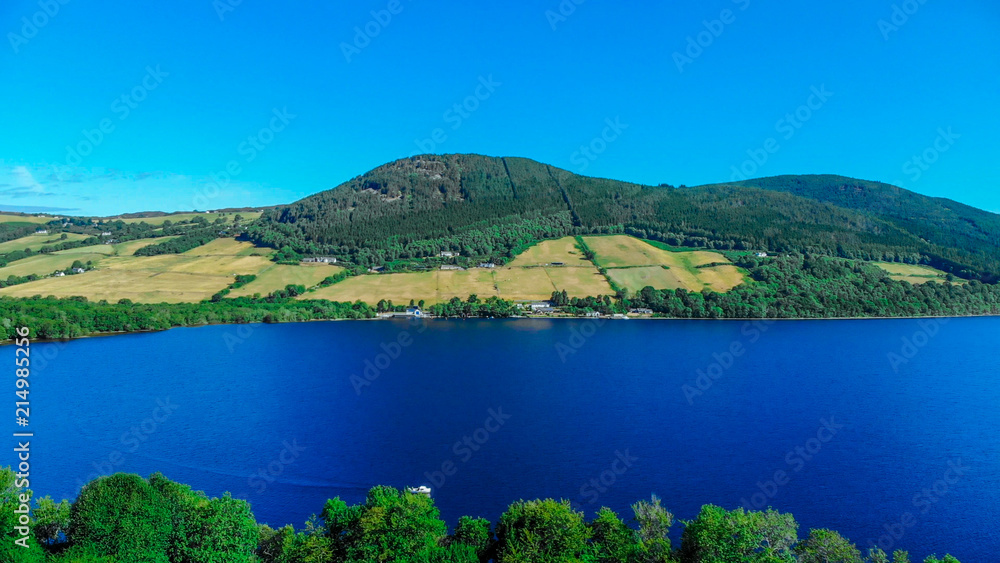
(21, 183)
(104, 192)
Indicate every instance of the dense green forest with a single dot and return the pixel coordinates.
(123, 518)
(489, 208)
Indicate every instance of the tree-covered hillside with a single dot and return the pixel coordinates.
(489, 208)
(940, 220)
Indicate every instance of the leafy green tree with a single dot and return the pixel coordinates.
(11, 507)
(827, 546)
(876, 555)
(541, 531)
(946, 559)
(721, 536)
(220, 530)
(121, 515)
(51, 521)
(474, 532)
(390, 525)
(654, 523)
(612, 540)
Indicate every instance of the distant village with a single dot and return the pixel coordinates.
(534, 309)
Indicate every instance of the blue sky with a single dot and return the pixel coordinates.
(205, 105)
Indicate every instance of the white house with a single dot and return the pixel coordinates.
(41, 232)
(451, 267)
(78, 270)
(761, 255)
(448, 254)
(487, 265)
(541, 305)
(60, 274)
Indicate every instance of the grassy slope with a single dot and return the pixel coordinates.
(35, 242)
(635, 264)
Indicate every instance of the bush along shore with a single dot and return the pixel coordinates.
(124, 518)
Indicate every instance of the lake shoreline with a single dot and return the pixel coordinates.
(9, 342)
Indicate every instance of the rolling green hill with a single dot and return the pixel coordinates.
(489, 208)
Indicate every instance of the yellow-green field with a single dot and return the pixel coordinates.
(433, 287)
(622, 251)
(634, 264)
(913, 273)
(280, 275)
(129, 248)
(7, 218)
(201, 272)
(35, 242)
(45, 264)
(228, 247)
(177, 217)
(168, 278)
(546, 252)
(526, 278)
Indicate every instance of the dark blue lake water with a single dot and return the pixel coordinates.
(841, 423)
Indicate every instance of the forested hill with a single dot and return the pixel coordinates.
(489, 208)
(941, 220)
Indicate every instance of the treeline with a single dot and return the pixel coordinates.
(486, 208)
(47, 247)
(785, 287)
(183, 243)
(810, 286)
(73, 317)
(801, 286)
(15, 230)
(123, 518)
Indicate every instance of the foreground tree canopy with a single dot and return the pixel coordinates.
(124, 518)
